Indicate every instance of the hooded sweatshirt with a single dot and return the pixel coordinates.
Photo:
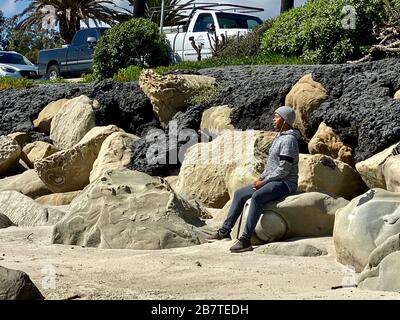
(283, 160)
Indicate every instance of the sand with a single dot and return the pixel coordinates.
(207, 271)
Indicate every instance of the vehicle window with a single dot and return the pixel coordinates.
(237, 21)
(202, 21)
(91, 33)
(13, 58)
(80, 38)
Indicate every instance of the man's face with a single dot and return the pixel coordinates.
(277, 121)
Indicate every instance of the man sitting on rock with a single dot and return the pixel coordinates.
(278, 180)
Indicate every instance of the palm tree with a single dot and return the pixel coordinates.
(286, 5)
(173, 11)
(70, 14)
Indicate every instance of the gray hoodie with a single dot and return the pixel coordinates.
(283, 160)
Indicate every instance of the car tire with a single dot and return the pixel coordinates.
(53, 73)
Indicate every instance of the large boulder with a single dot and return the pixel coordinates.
(115, 153)
(397, 95)
(171, 93)
(36, 151)
(364, 224)
(16, 285)
(371, 170)
(323, 174)
(22, 138)
(327, 142)
(43, 121)
(211, 172)
(382, 271)
(69, 170)
(9, 154)
(216, 119)
(27, 183)
(25, 212)
(130, 210)
(72, 122)
(391, 172)
(301, 215)
(305, 97)
(58, 199)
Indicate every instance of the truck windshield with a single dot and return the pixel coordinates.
(13, 58)
(237, 21)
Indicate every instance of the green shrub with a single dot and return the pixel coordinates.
(315, 31)
(130, 73)
(135, 42)
(246, 45)
(12, 83)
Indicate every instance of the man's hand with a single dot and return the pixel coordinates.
(258, 184)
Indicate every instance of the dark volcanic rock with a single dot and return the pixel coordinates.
(122, 104)
(16, 285)
(159, 153)
(363, 111)
(361, 108)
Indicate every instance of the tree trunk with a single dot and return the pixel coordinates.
(286, 5)
(139, 7)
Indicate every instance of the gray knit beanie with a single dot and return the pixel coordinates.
(287, 113)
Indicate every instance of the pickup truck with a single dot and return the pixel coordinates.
(202, 28)
(74, 59)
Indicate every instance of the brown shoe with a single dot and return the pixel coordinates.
(219, 235)
(242, 245)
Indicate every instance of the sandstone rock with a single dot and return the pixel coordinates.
(211, 172)
(305, 96)
(364, 224)
(115, 153)
(382, 271)
(302, 215)
(5, 222)
(72, 122)
(130, 210)
(323, 174)
(16, 285)
(22, 138)
(43, 121)
(9, 154)
(216, 119)
(69, 170)
(36, 151)
(327, 142)
(27, 183)
(291, 249)
(397, 95)
(168, 94)
(25, 212)
(58, 199)
(371, 170)
(391, 172)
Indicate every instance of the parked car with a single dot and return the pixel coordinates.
(202, 28)
(15, 65)
(71, 60)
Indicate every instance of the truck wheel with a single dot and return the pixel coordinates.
(53, 72)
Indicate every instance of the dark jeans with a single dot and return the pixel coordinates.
(273, 190)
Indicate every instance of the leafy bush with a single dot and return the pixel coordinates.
(130, 73)
(315, 31)
(11, 83)
(246, 45)
(135, 42)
